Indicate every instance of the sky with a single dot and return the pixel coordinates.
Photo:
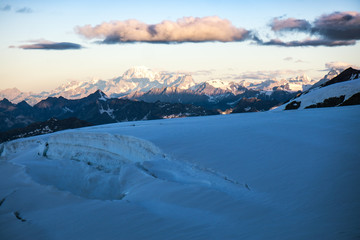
(44, 44)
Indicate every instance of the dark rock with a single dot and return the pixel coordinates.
(39, 128)
(254, 105)
(353, 100)
(329, 102)
(96, 109)
(292, 105)
(346, 75)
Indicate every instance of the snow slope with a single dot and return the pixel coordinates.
(269, 175)
(318, 95)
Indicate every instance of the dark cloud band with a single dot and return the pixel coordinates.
(50, 46)
(306, 43)
(338, 26)
(335, 29)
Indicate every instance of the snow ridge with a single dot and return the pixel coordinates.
(319, 94)
(106, 150)
(120, 162)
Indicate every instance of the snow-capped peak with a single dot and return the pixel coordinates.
(219, 84)
(140, 72)
(103, 96)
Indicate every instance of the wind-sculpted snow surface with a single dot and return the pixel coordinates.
(109, 167)
(18, 146)
(103, 149)
(270, 175)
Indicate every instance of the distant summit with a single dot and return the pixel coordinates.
(140, 72)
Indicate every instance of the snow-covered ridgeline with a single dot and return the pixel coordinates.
(319, 94)
(143, 79)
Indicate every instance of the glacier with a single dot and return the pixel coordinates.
(267, 175)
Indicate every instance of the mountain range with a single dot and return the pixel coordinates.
(139, 81)
(183, 98)
(134, 79)
(97, 108)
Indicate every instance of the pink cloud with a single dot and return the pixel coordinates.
(187, 29)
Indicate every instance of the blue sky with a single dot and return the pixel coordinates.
(24, 23)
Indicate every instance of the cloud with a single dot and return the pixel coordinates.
(187, 29)
(305, 43)
(341, 66)
(290, 59)
(6, 8)
(47, 45)
(202, 72)
(290, 24)
(24, 10)
(335, 29)
(338, 26)
(267, 75)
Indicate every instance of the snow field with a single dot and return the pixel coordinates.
(107, 167)
(271, 175)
